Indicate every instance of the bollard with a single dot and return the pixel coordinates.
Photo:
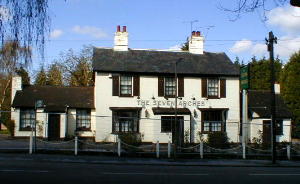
(119, 147)
(30, 143)
(201, 150)
(288, 151)
(157, 149)
(169, 149)
(244, 150)
(76, 145)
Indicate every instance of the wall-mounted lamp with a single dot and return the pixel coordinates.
(180, 98)
(138, 97)
(147, 114)
(153, 98)
(193, 98)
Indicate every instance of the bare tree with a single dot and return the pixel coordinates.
(249, 6)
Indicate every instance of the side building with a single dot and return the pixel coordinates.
(57, 112)
(136, 89)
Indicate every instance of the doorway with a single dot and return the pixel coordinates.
(54, 127)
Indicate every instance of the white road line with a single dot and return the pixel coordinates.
(162, 174)
(17, 170)
(273, 174)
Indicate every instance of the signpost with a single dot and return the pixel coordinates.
(244, 79)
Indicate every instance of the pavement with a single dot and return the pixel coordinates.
(115, 160)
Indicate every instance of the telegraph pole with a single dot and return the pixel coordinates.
(270, 42)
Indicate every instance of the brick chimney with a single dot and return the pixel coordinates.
(196, 43)
(121, 39)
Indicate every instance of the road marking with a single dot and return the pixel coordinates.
(274, 174)
(162, 174)
(16, 170)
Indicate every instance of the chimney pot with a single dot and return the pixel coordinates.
(193, 33)
(124, 29)
(198, 33)
(118, 28)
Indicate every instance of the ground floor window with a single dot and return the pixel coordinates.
(83, 119)
(125, 121)
(27, 119)
(213, 121)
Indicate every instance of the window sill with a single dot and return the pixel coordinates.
(125, 95)
(213, 97)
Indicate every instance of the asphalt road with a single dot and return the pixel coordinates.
(30, 171)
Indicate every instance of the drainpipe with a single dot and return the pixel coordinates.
(66, 121)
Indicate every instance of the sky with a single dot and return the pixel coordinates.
(165, 24)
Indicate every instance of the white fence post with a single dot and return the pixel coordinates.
(201, 150)
(119, 147)
(30, 143)
(288, 151)
(157, 149)
(169, 149)
(244, 150)
(76, 145)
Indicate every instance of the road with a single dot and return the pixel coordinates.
(30, 171)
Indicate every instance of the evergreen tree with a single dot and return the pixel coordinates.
(185, 45)
(290, 89)
(41, 78)
(54, 75)
(260, 73)
(24, 75)
(237, 61)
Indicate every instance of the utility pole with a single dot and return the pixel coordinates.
(270, 42)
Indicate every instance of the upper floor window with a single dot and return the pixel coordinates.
(213, 87)
(170, 86)
(83, 119)
(27, 119)
(125, 85)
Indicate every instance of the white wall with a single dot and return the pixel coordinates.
(149, 89)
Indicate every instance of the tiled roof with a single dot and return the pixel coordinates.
(260, 103)
(162, 62)
(55, 98)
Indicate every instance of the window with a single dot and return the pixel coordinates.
(83, 119)
(170, 86)
(212, 87)
(166, 123)
(126, 85)
(125, 121)
(212, 121)
(27, 119)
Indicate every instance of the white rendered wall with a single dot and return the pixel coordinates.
(148, 90)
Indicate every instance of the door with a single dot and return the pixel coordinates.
(177, 131)
(54, 127)
(266, 132)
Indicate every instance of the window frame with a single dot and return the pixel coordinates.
(79, 120)
(174, 87)
(131, 86)
(217, 88)
(32, 119)
(117, 115)
(214, 117)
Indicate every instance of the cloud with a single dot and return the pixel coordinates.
(56, 33)
(259, 49)
(4, 13)
(241, 46)
(287, 46)
(176, 47)
(286, 18)
(89, 30)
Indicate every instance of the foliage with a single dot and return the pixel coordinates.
(218, 140)
(290, 90)
(77, 67)
(260, 73)
(24, 75)
(186, 136)
(11, 127)
(133, 139)
(41, 78)
(25, 21)
(54, 75)
(185, 45)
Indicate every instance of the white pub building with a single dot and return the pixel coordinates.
(135, 92)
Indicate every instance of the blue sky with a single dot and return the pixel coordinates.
(162, 24)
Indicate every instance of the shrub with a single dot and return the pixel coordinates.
(134, 139)
(218, 140)
(10, 124)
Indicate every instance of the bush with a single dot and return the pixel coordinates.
(218, 140)
(10, 124)
(133, 139)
